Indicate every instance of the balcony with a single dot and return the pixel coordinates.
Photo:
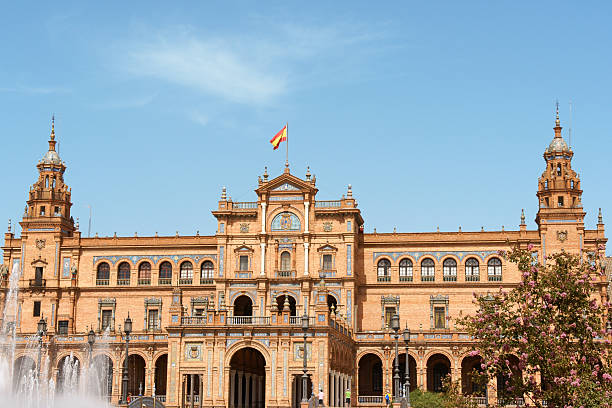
(144, 281)
(38, 283)
(327, 273)
(245, 205)
(405, 278)
(495, 278)
(449, 278)
(285, 274)
(164, 281)
(206, 281)
(102, 282)
(243, 274)
(247, 320)
(472, 278)
(123, 282)
(383, 278)
(427, 278)
(186, 281)
(328, 204)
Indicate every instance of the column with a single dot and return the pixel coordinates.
(263, 259)
(240, 400)
(247, 394)
(262, 389)
(230, 389)
(306, 245)
(306, 213)
(192, 382)
(263, 218)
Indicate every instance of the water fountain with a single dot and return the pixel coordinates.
(24, 385)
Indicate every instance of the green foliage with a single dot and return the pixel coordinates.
(420, 399)
(549, 327)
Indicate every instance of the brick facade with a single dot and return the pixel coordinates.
(198, 302)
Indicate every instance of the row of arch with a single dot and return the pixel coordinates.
(438, 366)
(124, 270)
(449, 267)
(99, 374)
(243, 304)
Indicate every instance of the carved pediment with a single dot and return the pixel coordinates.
(243, 248)
(287, 183)
(286, 187)
(327, 248)
(40, 260)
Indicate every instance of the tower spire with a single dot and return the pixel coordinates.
(53, 127)
(557, 127)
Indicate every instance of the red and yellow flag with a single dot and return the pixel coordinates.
(279, 137)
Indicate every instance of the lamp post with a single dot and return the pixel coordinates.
(396, 376)
(127, 328)
(407, 385)
(304, 352)
(42, 330)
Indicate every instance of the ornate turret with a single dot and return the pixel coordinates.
(559, 192)
(48, 204)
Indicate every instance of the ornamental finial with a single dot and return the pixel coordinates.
(53, 127)
(600, 217)
(9, 225)
(265, 173)
(522, 216)
(557, 121)
(223, 193)
(349, 193)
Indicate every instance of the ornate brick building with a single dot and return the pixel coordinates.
(216, 318)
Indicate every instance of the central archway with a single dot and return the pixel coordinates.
(243, 306)
(247, 382)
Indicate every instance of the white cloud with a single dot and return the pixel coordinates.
(199, 117)
(258, 68)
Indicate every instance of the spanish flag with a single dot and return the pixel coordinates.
(279, 137)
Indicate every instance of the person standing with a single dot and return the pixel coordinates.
(347, 397)
(321, 396)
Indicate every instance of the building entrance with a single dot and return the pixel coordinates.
(247, 382)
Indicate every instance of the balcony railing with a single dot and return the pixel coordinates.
(472, 278)
(102, 282)
(193, 320)
(480, 400)
(327, 273)
(196, 398)
(206, 281)
(405, 278)
(297, 321)
(285, 274)
(383, 278)
(38, 283)
(123, 282)
(495, 278)
(144, 281)
(245, 205)
(164, 281)
(427, 278)
(449, 278)
(185, 281)
(328, 204)
(247, 320)
(370, 399)
(511, 402)
(243, 274)
(160, 398)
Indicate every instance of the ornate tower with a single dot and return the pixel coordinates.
(560, 216)
(49, 202)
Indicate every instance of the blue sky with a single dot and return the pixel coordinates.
(436, 112)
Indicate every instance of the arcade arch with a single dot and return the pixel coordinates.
(247, 382)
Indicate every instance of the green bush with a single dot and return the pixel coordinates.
(420, 399)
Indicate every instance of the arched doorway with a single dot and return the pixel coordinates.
(68, 372)
(469, 384)
(370, 375)
(332, 304)
(247, 379)
(136, 375)
(243, 306)
(402, 372)
(23, 368)
(438, 367)
(161, 374)
(101, 375)
(297, 387)
(280, 303)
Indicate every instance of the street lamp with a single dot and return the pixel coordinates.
(396, 377)
(127, 328)
(407, 385)
(42, 330)
(304, 376)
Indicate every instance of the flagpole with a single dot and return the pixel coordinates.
(287, 143)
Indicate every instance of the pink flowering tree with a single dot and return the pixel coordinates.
(546, 340)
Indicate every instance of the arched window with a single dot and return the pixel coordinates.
(123, 274)
(384, 270)
(449, 269)
(494, 267)
(103, 274)
(546, 185)
(472, 272)
(427, 270)
(144, 273)
(285, 259)
(558, 169)
(405, 270)
(165, 273)
(206, 272)
(186, 276)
